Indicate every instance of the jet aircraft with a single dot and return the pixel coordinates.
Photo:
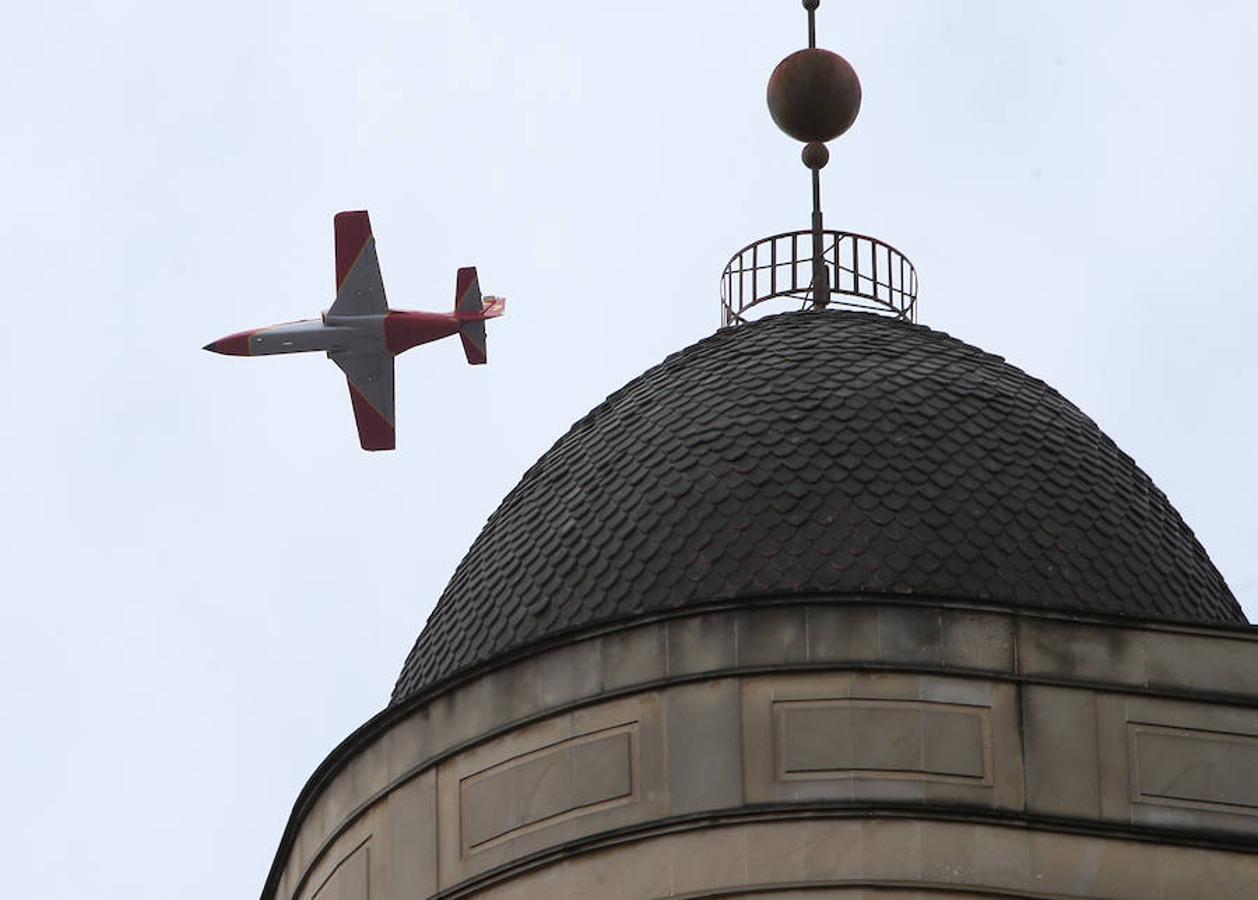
(362, 335)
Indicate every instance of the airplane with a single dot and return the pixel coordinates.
(362, 335)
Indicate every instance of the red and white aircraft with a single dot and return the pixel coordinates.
(362, 335)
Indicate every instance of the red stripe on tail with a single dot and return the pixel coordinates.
(465, 280)
(353, 231)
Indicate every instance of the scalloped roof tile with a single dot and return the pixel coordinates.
(819, 453)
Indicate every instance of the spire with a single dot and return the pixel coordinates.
(814, 95)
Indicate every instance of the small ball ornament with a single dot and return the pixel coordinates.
(815, 155)
(814, 95)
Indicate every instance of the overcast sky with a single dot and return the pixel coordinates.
(207, 584)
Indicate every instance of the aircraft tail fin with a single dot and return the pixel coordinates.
(473, 336)
(467, 300)
(472, 310)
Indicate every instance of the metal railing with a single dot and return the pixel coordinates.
(865, 274)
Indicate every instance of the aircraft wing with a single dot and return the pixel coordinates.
(370, 377)
(359, 287)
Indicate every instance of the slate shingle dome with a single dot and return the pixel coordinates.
(826, 454)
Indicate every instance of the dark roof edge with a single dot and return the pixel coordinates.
(397, 710)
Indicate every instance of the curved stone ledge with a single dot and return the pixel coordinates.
(947, 706)
(842, 857)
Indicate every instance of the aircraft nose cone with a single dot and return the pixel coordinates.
(232, 345)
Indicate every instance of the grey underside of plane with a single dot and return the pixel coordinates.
(351, 332)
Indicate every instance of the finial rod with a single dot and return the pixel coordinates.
(820, 271)
(814, 96)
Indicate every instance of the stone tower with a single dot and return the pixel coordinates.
(823, 603)
(828, 604)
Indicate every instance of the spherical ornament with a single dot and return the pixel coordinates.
(810, 5)
(814, 95)
(815, 155)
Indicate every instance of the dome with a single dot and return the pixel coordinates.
(827, 454)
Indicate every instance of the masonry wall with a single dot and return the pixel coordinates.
(832, 747)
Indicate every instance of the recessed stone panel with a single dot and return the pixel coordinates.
(1194, 768)
(880, 737)
(1059, 737)
(832, 738)
(565, 778)
(550, 782)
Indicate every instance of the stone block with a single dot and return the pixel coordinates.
(832, 848)
(891, 849)
(965, 691)
(876, 788)
(1081, 652)
(1063, 864)
(1060, 740)
(572, 672)
(410, 815)
(408, 743)
(701, 644)
(582, 881)
(1002, 858)
(513, 692)
(772, 637)
(1113, 757)
(974, 640)
(547, 882)
(635, 656)
(706, 861)
(910, 635)
(949, 853)
(366, 776)
(1208, 663)
(704, 742)
(1127, 871)
(841, 632)
(643, 869)
(777, 853)
(1187, 873)
(886, 686)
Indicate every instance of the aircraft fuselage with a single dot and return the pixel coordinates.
(395, 332)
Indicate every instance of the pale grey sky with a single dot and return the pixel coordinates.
(208, 585)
